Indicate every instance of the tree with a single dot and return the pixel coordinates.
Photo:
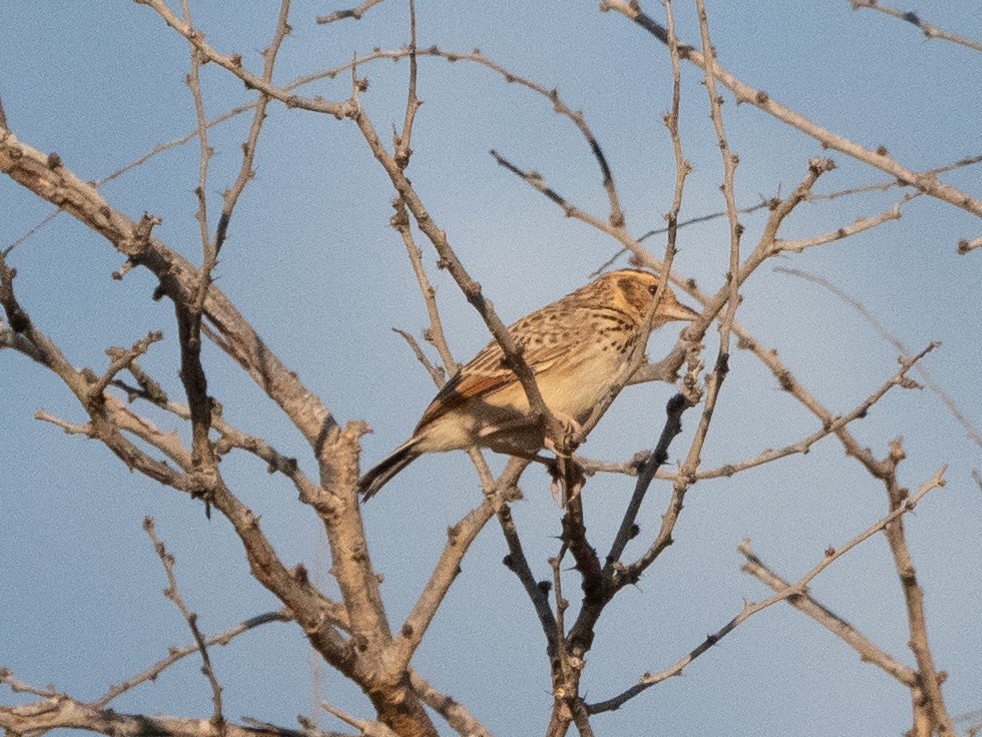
(785, 391)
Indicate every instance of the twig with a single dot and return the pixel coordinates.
(246, 172)
(17, 241)
(403, 141)
(812, 197)
(677, 405)
(365, 727)
(930, 679)
(891, 183)
(730, 161)
(476, 57)
(517, 563)
(566, 666)
(434, 332)
(233, 63)
(123, 359)
(190, 307)
(631, 468)
(535, 180)
(762, 205)
(860, 225)
(173, 593)
(910, 16)
(60, 711)
(882, 331)
(714, 381)
(436, 373)
(176, 654)
(7, 679)
(193, 81)
(355, 13)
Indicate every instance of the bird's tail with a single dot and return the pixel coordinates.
(379, 476)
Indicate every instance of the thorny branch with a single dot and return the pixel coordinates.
(337, 478)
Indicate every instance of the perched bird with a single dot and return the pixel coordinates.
(576, 347)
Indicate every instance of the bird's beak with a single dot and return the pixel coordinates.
(678, 311)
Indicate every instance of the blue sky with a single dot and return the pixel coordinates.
(312, 262)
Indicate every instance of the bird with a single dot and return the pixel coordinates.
(576, 347)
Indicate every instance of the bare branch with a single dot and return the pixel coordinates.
(123, 359)
(57, 184)
(860, 225)
(743, 92)
(436, 373)
(899, 379)
(714, 381)
(807, 604)
(451, 56)
(537, 591)
(70, 428)
(59, 711)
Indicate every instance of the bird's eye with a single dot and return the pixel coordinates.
(653, 288)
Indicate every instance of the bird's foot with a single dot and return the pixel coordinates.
(571, 435)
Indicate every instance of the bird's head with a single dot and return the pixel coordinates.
(634, 292)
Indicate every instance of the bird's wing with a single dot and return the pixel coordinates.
(488, 372)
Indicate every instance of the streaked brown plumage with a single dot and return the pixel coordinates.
(576, 347)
